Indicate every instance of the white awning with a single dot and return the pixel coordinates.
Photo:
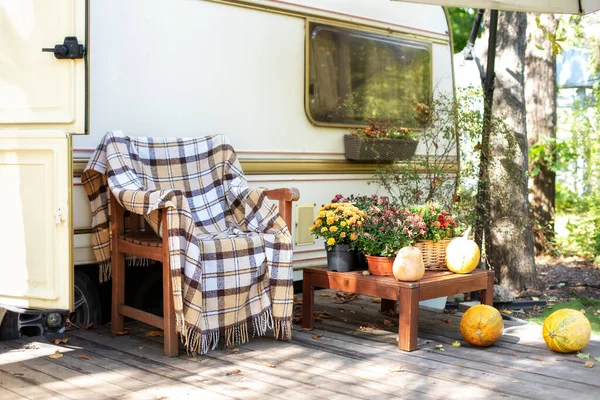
(538, 6)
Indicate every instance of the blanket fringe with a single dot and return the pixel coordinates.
(197, 341)
(105, 270)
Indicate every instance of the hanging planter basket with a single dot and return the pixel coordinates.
(375, 150)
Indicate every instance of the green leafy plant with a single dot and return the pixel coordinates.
(387, 229)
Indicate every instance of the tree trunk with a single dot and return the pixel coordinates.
(540, 92)
(509, 244)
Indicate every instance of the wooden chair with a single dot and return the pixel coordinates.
(147, 244)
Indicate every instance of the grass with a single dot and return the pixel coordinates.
(590, 306)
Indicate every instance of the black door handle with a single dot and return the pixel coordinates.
(69, 49)
(58, 50)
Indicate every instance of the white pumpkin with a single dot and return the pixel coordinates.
(462, 254)
(408, 265)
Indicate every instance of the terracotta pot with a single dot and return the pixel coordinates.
(380, 265)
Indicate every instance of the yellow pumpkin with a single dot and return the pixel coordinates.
(567, 331)
(481, 325)
(462, 254)
(408, 265)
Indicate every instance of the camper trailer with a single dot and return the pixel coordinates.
(271, 75)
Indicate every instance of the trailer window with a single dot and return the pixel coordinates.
(381, 75)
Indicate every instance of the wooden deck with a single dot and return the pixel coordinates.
(338, 360)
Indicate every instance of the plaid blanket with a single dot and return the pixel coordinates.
(229, 249)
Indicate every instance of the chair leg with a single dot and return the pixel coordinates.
(170, 330)
(118, 291)
(171, 345)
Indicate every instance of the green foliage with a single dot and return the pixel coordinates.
(576, 159)
(583, 223)
(461, 21)
(584, 303)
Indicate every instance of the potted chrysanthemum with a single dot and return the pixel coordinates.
(337, 224)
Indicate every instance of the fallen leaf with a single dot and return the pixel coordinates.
(318, 319)
(589, 364)
(396, 370)
(84, 357)
(326, 295)
(540, 360)
(234, 372)
(235, 351)
(597, 359)
(446, 320)
(155, 334)
(515, 381)
(376, 300)
(318, 336)
(583, 355)
(305, 329)
(59, 341)
(269, 364)
(439, 347)
(507, 311)
(55, 355)
(456, 344)
(121, 333)
(515, 355)
(387, 322)
(366, 273)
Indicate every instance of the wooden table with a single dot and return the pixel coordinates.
(407, 294)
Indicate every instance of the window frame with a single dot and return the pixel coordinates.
(361, 29)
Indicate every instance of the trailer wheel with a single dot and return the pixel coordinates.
(88, 309)
(9, 329)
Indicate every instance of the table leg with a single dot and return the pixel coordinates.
(308, 300)
(387, 305)
(409, 319)
(487, 295)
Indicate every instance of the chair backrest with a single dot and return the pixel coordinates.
(201, 168)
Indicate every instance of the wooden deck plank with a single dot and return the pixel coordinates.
(562, 365)
(48, 382)
(217, 373)
(162, 374)
(349, 333)
(26, 388)
(6, 394)
(383, 375)
(90, 365)
(59, 369)
(289, 387)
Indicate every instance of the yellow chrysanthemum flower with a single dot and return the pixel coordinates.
(353, 236)
(359, 223)
(330, 241)
(343, 224)
(318, 222)
(321, 214)
(333, 229)
(342, 235)
(324, 229)
(330, 220)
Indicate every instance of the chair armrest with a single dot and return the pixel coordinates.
(286, 194)
(285, 197)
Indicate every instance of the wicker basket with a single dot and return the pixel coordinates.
(367, 149)
(434, 253)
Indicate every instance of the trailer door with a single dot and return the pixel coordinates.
(42, 102)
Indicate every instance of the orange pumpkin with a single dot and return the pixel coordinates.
(566, 331)
(481, 325)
